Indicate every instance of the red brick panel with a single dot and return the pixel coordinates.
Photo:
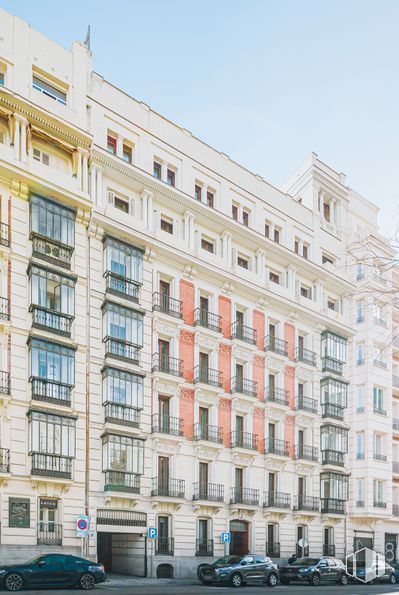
(289, 336)
(289, 432)
(258, 375)
(259, 326)
(225, 313)
(224, 364)
(289, 384)
(224, 419)
(187, 297)
(259, 426)
(186, 353)
(186, 411)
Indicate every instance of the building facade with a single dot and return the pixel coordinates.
(183, 346)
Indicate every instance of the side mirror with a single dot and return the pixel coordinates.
(41, 563)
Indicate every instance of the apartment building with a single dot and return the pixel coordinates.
(184, 346)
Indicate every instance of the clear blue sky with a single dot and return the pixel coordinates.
(265, 81)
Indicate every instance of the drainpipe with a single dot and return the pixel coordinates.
(87, 443)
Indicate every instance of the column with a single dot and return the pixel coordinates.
(85, 172)
(23, 125)
(260, 264)
(79, 172)
(99, 184)
(291, 278)
(16, 138)
(226, 244)
(93, 184)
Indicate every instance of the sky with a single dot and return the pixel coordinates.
(264, 81)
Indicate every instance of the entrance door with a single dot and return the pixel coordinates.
(204, 310)
(104, 550)
(164, 412)
(203, 480)
(163, 348)
(239, 538)
(164, 290)
(203, 366)
(391, 544)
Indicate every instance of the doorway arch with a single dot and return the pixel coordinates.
(239, 537)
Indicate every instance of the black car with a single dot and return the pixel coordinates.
(315, 571)
(239, 570)
(52, 570)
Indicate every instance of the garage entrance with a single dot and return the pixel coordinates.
(238, 538)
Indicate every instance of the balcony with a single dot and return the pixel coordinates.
(167, 305)
(5, 235)
(244, 333)
(244, 386)
(379, 411)
(273, 549)
(379, 504)
(51, 392)
(121, 286)
(247, 496)
(306, 404)
(332, 506)
(5, 382)
(208, 320)
(276, 345)
(305, 356)
(4, 460)
(208, 433)
(164, 546)
(330, 364)
(332, 457)
(333, 411)
(212, 492)
(306, 453)
(48, 465)
(277, 500)
(395, 381)
(277, 447)
(244, 440)
(166, 424)
(395, 510)
(122, 414)
(277, 395)
(380, 364)
(167, 365)
(380, 321)
(49, 534)
(308, 503)
(170, 488)
(328, 550)
(122, 350)
(208, 376)
(121, 481)
(49, 320)
(51, 250)
(395, 467)
(379, 457)
(204, 547)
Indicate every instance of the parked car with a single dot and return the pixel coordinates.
(395, 567)
(239, 570)
(314, 571)
(389, 576)
(52, 570)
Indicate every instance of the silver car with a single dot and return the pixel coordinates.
(239, 570)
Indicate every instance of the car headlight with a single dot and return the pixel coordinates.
(3, 571)
(304, 569)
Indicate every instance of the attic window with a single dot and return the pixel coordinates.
(48, 89)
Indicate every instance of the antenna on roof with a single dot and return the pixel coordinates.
(87, 38)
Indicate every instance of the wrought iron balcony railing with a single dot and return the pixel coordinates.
(275, 446)
(307, 453)
(277, 500)
(51, 250)
(207, 319)
(166, 304)
(276, 345)
(164, 546)
(395, 509)
(330, 364)
(212, 492)
(280, 396)
(171, 488)
(333, 506)
(209, 433)
(121, 481)
(204, 547)
(56, 322)
(244, 333)
(247, 496)
(167, 365)
(306, 404)
(273, 549)
(49, 534)
(309, 503)
(395, 467)
(379, 504)
(377, 456)
(305, 356)
(123, 350)
(332, 457)
(49, 465)
(208, 376)
(4, 460)
(333, 411)
(122, 414)
(244, 440)
(166, 424)
(51, 391)
(122, 286)
(5, 235)
(244, 386)
(5, 385)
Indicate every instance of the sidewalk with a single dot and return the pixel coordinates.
(117, 580)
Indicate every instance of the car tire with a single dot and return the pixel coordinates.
(284, 581)
(315, 580)
(200, 567)
(343, 580)
(87, 581)
(13, 582)
(236, 580)
(392, 579)
(272, 579)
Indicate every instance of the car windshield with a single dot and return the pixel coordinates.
(227, 560)
(35, 560)
(305, 562)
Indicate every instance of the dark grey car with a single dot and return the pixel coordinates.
(239, 570)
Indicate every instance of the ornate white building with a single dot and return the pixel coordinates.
(183, 346)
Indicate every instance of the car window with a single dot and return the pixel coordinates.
(323, 563)
(305, 562)
(331, 562)
(54, 560)
(260, 560)
(248, 559)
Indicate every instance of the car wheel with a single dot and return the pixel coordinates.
(392, 579)
(284, 581)
(200, 567)
(14, 582)
(272, 579)
(315, 580)
(86, 581)
(236, 580)
(343, 580)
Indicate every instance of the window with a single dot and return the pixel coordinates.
(234, 212)
(305, 251)
(41, 156)
(360, 399)
(379, 357)
(123, 453)
(198, 192)
(51, 434)
(111, 144)
(326, 211)
(171, 177)
(333, 346)
(157, 170)
(360, 492)
(127, 153)
(124, 261)
(327, 259)
(276, 235)
(242, 262)
(167, 224)
(378, 399)
(334, 392)
(306, 292)
(334, 438)
(301, 248)
(2, 77)
(121, 204)
(360, 354)
(123, 324)
(378, 492)
(245, 218)
(207, 244)
(267, 229)
(274, 277)
(210, 198)
(123, 388)
(332, 304)
(360, 311)
(52, 220)
(49, 89)
(52, 291)
(360, 445)
(378, 449)
(359, 271)
(52, 362)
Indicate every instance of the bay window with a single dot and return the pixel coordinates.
(333, 492)
(123, 462)
(124, 331)
(123, 268)
(51, 443)
(52, 227)
(123, 395)
(333, 352)
(52, 371)
(334, 444)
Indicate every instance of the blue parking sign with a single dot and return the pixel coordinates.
(226, 537)
(152, 532)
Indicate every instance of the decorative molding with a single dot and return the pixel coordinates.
(205, 342)
(274, 363)
(289, 371)
(225, 403)
(166, 329)
(189, 272)
(187, 394)
(224, 349)
(149, 255)
(165, 388)
(290, 420)
(258, 360)
(240, 354)
(241, 459)
(261, 304)
(210, 454)
(19, 189)
(187, 337)
(202, 397)
(227, 288)
(259, 412)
